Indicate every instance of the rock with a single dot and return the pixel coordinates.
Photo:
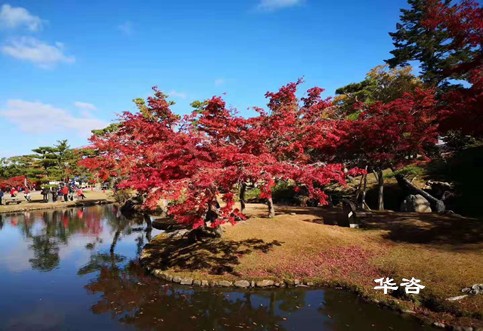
(265, 283)
(416, 203)
(179, 233)
(474, 289)
(176, 279)
(186, 281)
(242, 283)
(252, 283)
(457, 298)
(277, 284)
(225, 283)
(439, 325)
(292, 282)
(197, 282)
(168, 277)
(205, 283)
(310, 283)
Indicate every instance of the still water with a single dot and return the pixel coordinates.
(77, 269)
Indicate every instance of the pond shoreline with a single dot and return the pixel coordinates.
(265, 253)
(93, 198)
(266, 284)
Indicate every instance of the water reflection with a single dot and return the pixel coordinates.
(78, 269)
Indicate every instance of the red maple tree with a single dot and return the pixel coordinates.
(195, 160)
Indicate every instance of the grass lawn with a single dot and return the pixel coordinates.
(444, 252)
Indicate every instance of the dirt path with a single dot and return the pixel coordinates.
(92, 197)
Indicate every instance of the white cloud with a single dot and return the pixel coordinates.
(220, 81)
(15, 17)
(176, 94)
(126, 28)
(39, 118)
(84, 105)
(277, 4)
(33, 50)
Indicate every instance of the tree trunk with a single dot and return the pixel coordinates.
(380, 183)
(243, 189)
(114, 241)
(271, 208)
(148, 221)
(436, 204)
(364, 190)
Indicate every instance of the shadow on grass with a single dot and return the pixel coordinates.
(213, 256)
(323, 215)
(434, 229)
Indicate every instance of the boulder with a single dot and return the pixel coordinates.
(179, 233)
(265, 283)
(242, 283)
(186, 281)
(416, 203)
(474, 290)
(225, 283)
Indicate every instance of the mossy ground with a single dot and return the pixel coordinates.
(444, 252)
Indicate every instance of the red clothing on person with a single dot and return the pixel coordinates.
(65, 190)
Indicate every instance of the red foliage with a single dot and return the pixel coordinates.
(385, 135)
(17, 181)
(463, 23)
(194, 160)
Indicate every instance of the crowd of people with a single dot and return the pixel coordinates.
(63, 193)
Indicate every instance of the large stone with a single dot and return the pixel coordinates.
(242, 283)
(265, 283)
(168, 277)
(176, 279)
(416, 203)
(179, 233)
(475, 289)
(225, 283)
(205, 283)
(197, 282)
(186, 281)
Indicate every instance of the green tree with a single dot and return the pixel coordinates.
(381, 84)
(432, 47)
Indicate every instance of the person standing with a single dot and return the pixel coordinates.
(54, 192)
(80, 194)
(26, 194)
(1, 196)
(65, 193)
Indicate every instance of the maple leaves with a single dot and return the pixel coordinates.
(463, 25)
(385, 134)
(195, 160)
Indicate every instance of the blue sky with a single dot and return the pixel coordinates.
(68, 66)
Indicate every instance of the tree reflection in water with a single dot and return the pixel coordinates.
(138, 299)
(54, 230)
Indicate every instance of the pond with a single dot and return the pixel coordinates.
(77, 269)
